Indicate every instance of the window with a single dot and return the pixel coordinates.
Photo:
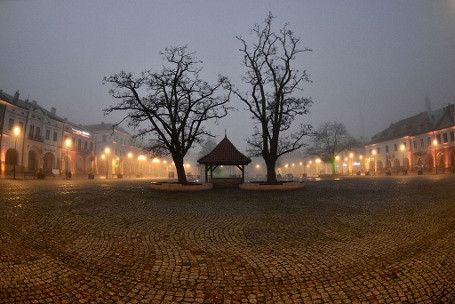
(452, 136)
(79, 144)
(395, 148)
(387, 149)
(37, 131)
(438, 137)
(10, 124)
(428, 141)
(48, 134)
(422, 144)
(415, 144)
(85, 145)
(31, 131)
(104, 138)
(91, 146)
(55, 136)
(21, 125)
(379, 150)
(445, 137)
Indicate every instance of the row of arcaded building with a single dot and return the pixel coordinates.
(33, 140)
(421, 143)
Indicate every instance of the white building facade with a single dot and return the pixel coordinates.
(40, 144)
(424, 143)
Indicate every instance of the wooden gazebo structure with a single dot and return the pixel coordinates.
(224, 154)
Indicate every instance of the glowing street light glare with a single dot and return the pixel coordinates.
(351, 155)
(155, 160)
(130, 155)
(141, 157)
(17, 131)
(373, 152)
(103, 156)
(68, 142)
(107, 150)
(258, 166)
(435, 142)
(318, 160)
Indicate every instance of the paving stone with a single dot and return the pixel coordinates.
(356, 240)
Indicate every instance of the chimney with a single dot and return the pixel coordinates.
(53, 111)
(16, 97)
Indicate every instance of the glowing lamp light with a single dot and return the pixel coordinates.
(68, 142)
(435, 142)
(16, 131)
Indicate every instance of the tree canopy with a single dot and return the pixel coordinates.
(273, 81)
(171, 105)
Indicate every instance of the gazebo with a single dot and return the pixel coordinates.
(224, 154)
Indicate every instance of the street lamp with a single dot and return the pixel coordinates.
(403, 148)
(435, 143)
(361, 161)
(317, 165)
(107, 150)
(374, 161)
(351, 156)
(68, 146)
(16, 132)
(130, 156)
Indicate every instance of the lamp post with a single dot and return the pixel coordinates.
(16, 132)
(374, 161)
(403, 148)
(68, 146)
(351, 157)
(317, 165)
(107, 150)
(435, 143)
(361, 161)
(130, 156)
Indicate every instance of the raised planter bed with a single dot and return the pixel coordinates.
(175, 187)
(268, 187)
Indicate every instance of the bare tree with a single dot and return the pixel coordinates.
(174, 105)
(329, 140)
(273, 79)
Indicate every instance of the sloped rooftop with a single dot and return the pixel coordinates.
(225, 153)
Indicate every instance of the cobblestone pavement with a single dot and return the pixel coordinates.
(356, 240)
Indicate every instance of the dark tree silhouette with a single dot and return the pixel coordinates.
(171, 105)
(329, 140)
(273, 80)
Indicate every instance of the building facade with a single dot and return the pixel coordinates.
(117, 152)
(421, 143)
(36, 140)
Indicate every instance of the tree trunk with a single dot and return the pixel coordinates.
(181, 175)
(271, 176)
(332, 165)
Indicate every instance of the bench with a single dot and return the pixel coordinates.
(29, 174)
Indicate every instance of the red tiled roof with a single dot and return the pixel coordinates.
(225, 153)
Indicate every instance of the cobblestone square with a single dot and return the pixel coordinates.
(354, 240)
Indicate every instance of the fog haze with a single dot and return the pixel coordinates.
(373, 62)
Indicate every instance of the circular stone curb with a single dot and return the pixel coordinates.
(265, 187)
(173, 187)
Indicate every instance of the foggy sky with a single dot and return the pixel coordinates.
(373, 62)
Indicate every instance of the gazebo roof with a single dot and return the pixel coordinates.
(225, 153)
